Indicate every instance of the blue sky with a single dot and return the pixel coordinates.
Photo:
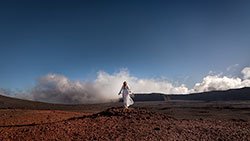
(175, 39)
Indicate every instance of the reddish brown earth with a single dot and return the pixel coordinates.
(15, 117)
(155, 120)
(117, 124)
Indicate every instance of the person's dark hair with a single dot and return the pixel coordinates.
(125, 84)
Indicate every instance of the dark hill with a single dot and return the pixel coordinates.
(228, 95)
(149, 97)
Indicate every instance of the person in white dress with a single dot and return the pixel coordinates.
(125, 91)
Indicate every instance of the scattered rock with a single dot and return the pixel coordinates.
(157, 128)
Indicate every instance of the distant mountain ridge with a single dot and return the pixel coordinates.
(241, 94)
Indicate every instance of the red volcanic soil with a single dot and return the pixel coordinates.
(121, 124)
(15, 117)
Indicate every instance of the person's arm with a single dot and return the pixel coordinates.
(129, 91)
(120, 91)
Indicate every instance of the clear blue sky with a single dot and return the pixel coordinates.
(153, 38)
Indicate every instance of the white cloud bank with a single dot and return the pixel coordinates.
(56, 88)
(218, 82)
(246, 73)
(59, 89)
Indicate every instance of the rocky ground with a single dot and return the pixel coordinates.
(118, 124)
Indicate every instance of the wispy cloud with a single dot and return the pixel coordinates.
(232, 67)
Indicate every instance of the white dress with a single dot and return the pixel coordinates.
(127, 100)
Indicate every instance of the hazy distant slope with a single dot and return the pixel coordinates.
(15, 103)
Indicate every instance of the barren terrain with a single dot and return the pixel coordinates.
(173, 120)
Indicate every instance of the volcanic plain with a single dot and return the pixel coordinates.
(158, 120)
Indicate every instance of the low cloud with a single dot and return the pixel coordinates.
(246, 73)
(211, 83)
(218, 82)
(56, 88)
(6, 92)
